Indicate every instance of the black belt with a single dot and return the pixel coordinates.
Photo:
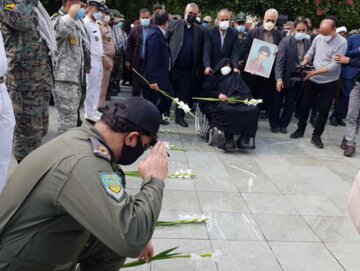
(28, 265)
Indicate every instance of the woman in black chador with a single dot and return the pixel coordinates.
(231, 118)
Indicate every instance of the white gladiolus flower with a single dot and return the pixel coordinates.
(167, 145)
(184, 107)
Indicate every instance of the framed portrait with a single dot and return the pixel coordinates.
(261, 58)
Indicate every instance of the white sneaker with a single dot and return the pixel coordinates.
(93, 118)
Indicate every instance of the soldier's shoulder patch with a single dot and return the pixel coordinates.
(100, 150)
(113, 185)
(10, 7)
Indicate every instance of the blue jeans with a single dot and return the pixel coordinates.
(342, 106)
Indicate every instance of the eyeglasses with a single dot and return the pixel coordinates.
(149, 145)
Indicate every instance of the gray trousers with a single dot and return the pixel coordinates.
(353, 116)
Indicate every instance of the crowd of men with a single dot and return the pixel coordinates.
(84, 46)
(65, 202)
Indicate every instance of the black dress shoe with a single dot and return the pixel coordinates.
(343, 143)
(181, 122)
(341, 122)
(333, 120)
(164, 122)
(297, 134)
(228, 145)
(275, 130)
(243, 143)
(283, 130)
(316, 140)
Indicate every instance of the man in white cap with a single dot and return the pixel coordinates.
(7, 119)
(94, 78)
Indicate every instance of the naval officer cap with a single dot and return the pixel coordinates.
(140, 112)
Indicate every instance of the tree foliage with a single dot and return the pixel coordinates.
(346, 11)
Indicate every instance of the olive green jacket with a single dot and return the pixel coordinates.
(61, 193)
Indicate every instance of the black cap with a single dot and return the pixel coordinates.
(140, 112)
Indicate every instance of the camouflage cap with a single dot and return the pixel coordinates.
(240, 17)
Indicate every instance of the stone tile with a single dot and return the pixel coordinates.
(284, 170)
(186, 246)
(300, 256)
(233, 227)
(294, 186)
(197, 156)
(269, 204)
(208, 183)
(256, 185)
(334, 229)
(255, 256)
(181, 201)
(285, 228)
(243, 168)
(204, 169)
(222, 202)
(180, 184)
(340, 202)
(314, 205)
(188, 231)
(347, 254)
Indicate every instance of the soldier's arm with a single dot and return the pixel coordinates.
(123, 223)
(63, 25)
(18, 14)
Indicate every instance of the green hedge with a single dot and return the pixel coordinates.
(347, 11)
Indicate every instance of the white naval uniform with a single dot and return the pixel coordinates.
(94, 78)
(7, 120)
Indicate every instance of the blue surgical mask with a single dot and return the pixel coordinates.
(326, 38)
(145, 22)
(80, 14)
(240, 28)
(205, 24)
(98, 15)
(299, 36)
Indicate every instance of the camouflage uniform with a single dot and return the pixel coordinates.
(68, 70)
(29, 77)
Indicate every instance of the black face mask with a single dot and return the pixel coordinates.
(130, 154)
(191, 19)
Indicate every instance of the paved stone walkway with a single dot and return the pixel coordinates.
(279, 207)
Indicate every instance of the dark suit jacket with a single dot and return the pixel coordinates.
(134, 46)
(257, 33)
(157, 59)
(288, 58)
(212, 52)
(348, 72)
(176, 37)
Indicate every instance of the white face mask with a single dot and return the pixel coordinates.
(326, 38)
(107, 19)
(225, 70)
(268, 26)
(224, 25)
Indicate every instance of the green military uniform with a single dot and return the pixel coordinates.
(30, 77)
(66, 204)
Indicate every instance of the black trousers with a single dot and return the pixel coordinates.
(137, 82)
(261, 88)
(182, 84)
(324, 93)
(284, 99)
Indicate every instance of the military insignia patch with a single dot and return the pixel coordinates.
(73, 41)
(113, 185)
(10, 7)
